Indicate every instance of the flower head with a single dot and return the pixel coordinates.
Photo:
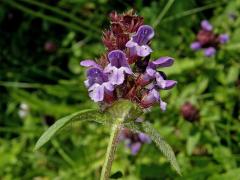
(190, 112)
(125, 70)
(207, 40)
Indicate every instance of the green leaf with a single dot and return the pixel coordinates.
(231, 174)
(233, 74)
(192, 142)
(162, 145)
(88, 114)
(123, 109)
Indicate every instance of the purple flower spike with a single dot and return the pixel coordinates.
(206, 25)
(195, 46)
(164, 84)
(135, 148)
(161, 62)
(138, 43)
(117, 67)
(223, 38)
(209, 51)
(90, 63)
(98, 84)
(151, 98)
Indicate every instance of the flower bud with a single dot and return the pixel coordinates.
(190, 112)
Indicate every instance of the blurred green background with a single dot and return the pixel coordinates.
(41, 45)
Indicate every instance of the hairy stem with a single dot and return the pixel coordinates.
(111, 149)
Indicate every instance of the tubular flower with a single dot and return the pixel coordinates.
(125, 71)
(207, 40)
(138, 44)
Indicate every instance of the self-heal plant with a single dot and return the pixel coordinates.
(124, 82)
(207, 40)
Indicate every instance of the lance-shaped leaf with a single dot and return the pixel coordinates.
(162, 145)
(123, 109)
(85, 115)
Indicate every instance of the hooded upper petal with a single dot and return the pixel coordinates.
(118, 58)
(144, 34)
(96, 75)
(163, 62)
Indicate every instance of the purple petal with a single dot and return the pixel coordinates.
(117, 77)
(209, 51)
(151, 72)
(90, 63)
(135, 147)
(131, 44)
(160, 81)
(195, 46)
(144, 79)
(97, 94)
(109, 68)
(164, 84)
(170, 84)
(143, 50)
(151, 98)
(206, 25)
(223, 38)
(144, 34)
(118, 58)
(96, 75)
(144, 138)
(163, 62)
(108, 86)
(163, 105)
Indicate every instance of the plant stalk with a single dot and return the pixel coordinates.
(111, 149)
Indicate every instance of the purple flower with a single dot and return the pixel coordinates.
(111, 78)
(151, 98)
(98, 84)
(135, 147)
(164, 84)
(209, 51)
(206, 25)
(134, 141)
(151, 73)
(195, 45)
(117, 67)
(138, 43)
(223, 38)
(161, 62)
(144, 138)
